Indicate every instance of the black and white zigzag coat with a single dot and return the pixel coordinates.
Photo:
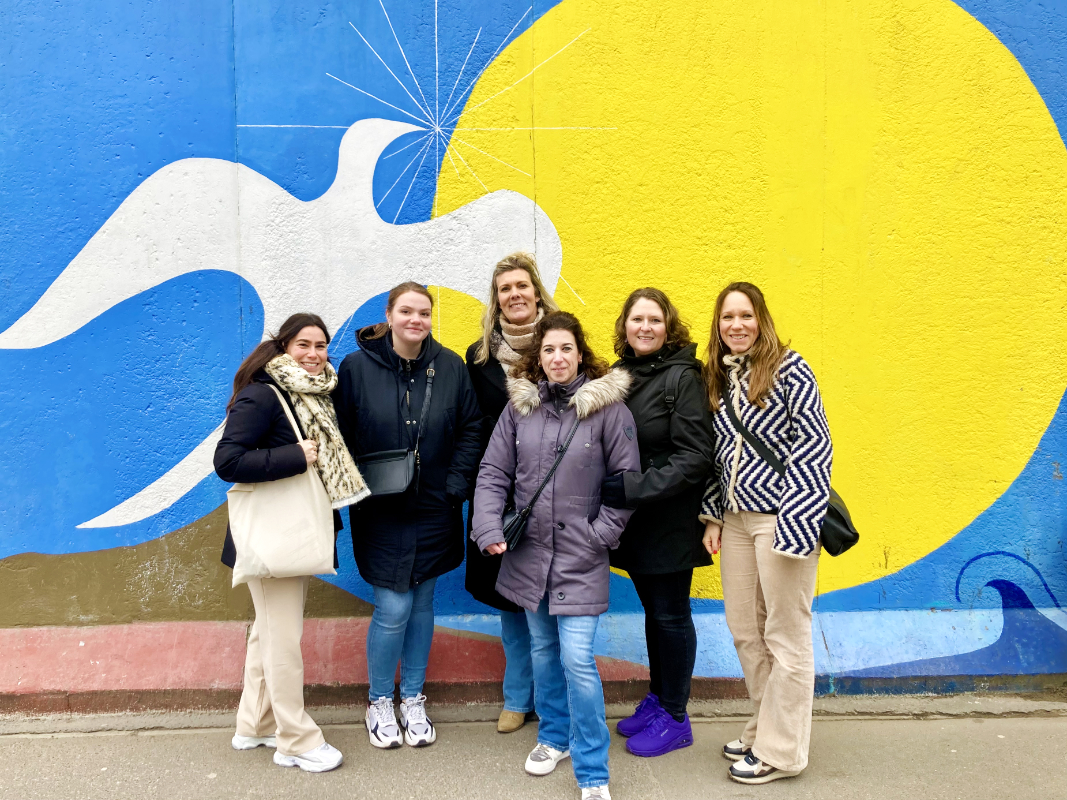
(793, 426)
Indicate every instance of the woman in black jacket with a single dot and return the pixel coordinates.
(258, 445)
(404, 542)
(662, 545)
(517, 302)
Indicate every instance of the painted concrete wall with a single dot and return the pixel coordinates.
(177, 178)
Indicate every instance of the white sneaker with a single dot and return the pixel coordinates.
(752, 770)
(543, 759)
(735, 750)
(596, 793)
(418, 730)
(240, 742)
(322, 759)
(381, 724)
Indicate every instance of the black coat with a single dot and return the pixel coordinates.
(664, 534)
(403, 540)
(258, 444)
(491, 388)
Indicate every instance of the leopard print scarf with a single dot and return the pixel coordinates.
(314, 409)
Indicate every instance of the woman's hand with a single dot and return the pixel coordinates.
(712, 537)
(496, 549)
(311, 450)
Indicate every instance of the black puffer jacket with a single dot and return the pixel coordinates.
(676, 459)
(490, 385)
(258, 445)
(403, 540)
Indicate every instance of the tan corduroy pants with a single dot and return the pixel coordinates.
(768, 608)
(273, 696)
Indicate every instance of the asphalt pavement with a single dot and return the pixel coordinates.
(959, 757)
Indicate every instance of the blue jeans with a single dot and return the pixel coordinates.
(518, 666)
(570, 697)
(401, 629)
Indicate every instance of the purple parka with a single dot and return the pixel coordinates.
(564, 552)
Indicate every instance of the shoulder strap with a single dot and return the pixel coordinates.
(288, 413)
(562, 450)
(674, 377)
(760, 448)
(430, 372)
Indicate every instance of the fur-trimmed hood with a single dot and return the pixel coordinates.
(589, 397)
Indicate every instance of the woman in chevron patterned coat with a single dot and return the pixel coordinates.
(767, 525)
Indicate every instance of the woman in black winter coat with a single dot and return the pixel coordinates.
(661, 544)
(517, 302)
(404, 542)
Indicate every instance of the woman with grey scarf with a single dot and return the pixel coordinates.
(517, 301)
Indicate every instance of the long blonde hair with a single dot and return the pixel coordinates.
(523, 261)
(766, 353)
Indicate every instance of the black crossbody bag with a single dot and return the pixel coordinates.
(838, 533)
(392, 471)
(515, 521)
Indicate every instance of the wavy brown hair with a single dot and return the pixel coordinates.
(766, 352)
(530, 366)
(378, 330)
(274, 346)
(527, 263)
(677, 331)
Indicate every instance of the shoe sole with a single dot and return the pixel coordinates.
(551, 769)
(293, 761)
(774, 776)
(412, 742)
(734, 756)
(380, 744)
(252, 747)
(677, 745)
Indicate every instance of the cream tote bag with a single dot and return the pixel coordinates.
(284, 528)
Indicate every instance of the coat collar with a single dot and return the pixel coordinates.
(590, 397)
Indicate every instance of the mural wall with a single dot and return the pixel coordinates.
(177, 178)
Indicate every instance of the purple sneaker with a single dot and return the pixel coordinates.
(643, 714)
(662, 735)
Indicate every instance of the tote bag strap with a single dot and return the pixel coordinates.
(288, 412)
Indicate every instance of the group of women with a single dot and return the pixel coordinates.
(641, 466)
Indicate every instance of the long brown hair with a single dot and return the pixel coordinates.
(766, 353)
(379, 330)
(523, 261)
(274, 346)
(677, 331)
(530, 366)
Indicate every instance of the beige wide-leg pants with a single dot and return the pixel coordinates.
(273, 696)
(768, 609)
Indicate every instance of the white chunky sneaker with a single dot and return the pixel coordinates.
(752, 770)
(240, 742)
(596, 793)
(418, 730)
(322, 759)
(735, 750)
(543, 759)
(381, 724)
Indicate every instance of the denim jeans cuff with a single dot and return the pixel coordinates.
(591, 784)
(518, 710)
(561, 748)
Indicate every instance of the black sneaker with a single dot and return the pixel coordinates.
(752, 770)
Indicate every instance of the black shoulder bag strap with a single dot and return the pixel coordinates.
(674, 377)
(562, 449)
(762, 449)
(430, 372)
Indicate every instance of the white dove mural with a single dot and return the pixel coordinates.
(329, 255)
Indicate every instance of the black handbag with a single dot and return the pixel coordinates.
(838, 533)
(515, 521)
(392, 471)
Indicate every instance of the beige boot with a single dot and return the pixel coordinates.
(510, 721)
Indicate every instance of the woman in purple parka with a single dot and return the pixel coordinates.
(559, 571)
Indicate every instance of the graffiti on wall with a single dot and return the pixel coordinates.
(893, 179)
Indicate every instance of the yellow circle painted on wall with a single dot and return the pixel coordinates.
(885, 171)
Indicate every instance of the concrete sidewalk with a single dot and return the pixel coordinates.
(955, 757)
